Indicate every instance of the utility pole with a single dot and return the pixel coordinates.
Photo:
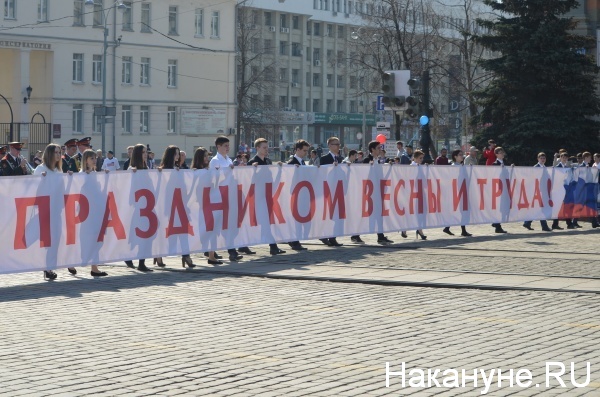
(425, 141)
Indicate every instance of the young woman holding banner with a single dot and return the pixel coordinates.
(138, 162)
(170, 161)
(457, 160)
(200, 162)
(418, 160)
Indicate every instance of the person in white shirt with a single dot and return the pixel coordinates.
(110, 163)
(222, 160)
(596, 160)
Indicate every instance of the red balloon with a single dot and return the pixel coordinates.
(381, 139)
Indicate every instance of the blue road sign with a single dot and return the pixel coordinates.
(380, 105)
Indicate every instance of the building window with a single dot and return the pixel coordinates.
(144, 119)
(171, 119)
(283, 102)
(78, 13)
(77, 119)
(329, 30)
(316, 79)
(295, 102)
(254, 45)
(329, 106)
(296, 49)
(268, 19)
(307, 105)
(268, 46)
(283, 20)
(9, 9)
(339, 106)
(173, 20)
(199, 22)
(126, 119)
(353, 82)
(96, 121)
(42, 11)
(126, 70)
(317, 29)
(172, 73)
(283, 47)
(98, 13)
(295, 22)
(282, 74)
(97, 69)
(214, 24)
(340, 81)
(316, 105)
(329, 80)
(145, 18)
(353, 107)
(127, 16)
(145, 71)
(296, 76)
(78, 68)
(340, 33)
(316, 54)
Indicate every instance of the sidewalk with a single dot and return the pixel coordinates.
(374, 264)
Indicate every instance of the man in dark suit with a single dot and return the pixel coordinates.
(374, 152)
(12, 164)
(83, 144)
(69, 159)
(333, 157)
(541, 157)
(499, 153)
(300, 151)
(262, 150)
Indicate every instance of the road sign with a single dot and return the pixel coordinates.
(380, 105)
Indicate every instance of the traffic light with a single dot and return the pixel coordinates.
(388, 88)
(413, 100)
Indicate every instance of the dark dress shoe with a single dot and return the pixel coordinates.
(404, 235)
(557, 228)
(466, 234)
(211, 262)
(298, 247)
(98, 274)
(277, 251)
(235, 258)
(357, 240)
(216, 255)
(546, 229)
(50, 275)
(325, 241)
(142, 267)
(447, 231)
(72, 270)
(571, 227)
(247, 250)
(384, 240)
(528, 227)
(500, 230)
(334, 243)
(130, 264)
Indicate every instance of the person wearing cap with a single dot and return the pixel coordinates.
(2, 153)
(110, 163)
(406, 158)
(12, 164)
(471, 158)
(82, 145)
(69, 161)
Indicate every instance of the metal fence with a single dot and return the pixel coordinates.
(40, 135)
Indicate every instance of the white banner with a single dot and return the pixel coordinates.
(65, 220)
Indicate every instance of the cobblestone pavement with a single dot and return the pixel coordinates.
(177, 332)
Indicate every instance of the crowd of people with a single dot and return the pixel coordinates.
(77, 155)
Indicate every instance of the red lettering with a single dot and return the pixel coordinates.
(244, 204)
(537, 195)
(434, 199)
(338, 200)
(209, 207)
(481, 182)
(148, 213)
(71, 218)
(43, 205)
(511, 190)
(273, 203)
(399, 211)
(295, 193)
(383, 184)
(367, 201)
(178, 206)
(416, 195)
(460, 195)
(111, 219)
(523, 201)
(496, 191)
(549, 185)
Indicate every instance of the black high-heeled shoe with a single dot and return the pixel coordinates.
(216, 255)
(217, 262)
(404, 235)
(72, 270)
(159, 262)
(420, 234)
(50, 275)
(98, 274)
(187, 260)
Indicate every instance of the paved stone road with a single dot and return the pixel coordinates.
(176, 332)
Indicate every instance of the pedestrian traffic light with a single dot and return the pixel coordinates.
(388, 88)
(413, 101)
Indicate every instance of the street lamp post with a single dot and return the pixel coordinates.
(105, 12)
(10, 138)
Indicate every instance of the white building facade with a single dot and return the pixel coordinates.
(170, 70)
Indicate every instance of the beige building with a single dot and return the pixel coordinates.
(168, 76)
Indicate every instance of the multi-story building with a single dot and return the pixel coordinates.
(168, 74)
